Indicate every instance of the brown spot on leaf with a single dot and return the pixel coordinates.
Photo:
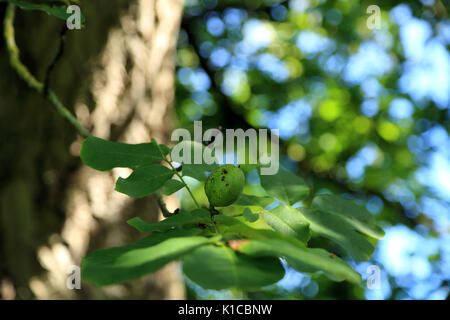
(332, 255)
(236, 244)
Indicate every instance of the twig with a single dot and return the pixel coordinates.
(26, 75)
(166, 213)
(184, 182)
(58, 56)
(177, 174)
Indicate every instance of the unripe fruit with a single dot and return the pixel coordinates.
(224, 185)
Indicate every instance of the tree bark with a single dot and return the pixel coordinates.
(117, 76)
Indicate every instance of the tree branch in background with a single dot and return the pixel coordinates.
(26, 75)
(166, 213)
(189, 26)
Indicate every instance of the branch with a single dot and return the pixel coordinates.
(166, 213)
(52, 65)
(26, 75)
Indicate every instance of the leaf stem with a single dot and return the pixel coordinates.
(26, 75)
(176, 172)
(187, 187)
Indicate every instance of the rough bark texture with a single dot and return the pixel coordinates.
(117, 75)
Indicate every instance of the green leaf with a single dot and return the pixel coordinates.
(250, 216)
(287, 187)
(353, 213)
(249, 200)
(296, 253)
(301, 258)
(214, 267)
(198, 171)
(232, 226)
(164, 149)
(104, 155)
(115, 265)
(289, 222)
(337, 229)
(58, 11)
(185, 152)
(172, 186)
(180, 219)
(144, 180)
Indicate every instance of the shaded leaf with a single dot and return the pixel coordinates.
(144, 180)
(177, 220)
(104, 155)
(337, 229)
(58, 11)
(250, 200)
(199, 172)
(353, 213)
(286, 186)
(250, 216)
(164, 149)
(214, 267)
(172, 186)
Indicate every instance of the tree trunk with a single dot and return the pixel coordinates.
(117, 75)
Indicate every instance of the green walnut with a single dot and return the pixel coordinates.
(224, 185)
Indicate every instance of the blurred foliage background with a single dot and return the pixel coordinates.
(362, 112)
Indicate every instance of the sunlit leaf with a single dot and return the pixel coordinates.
(288, 221)
(115, 265)
(232, 226)
(301, 258)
